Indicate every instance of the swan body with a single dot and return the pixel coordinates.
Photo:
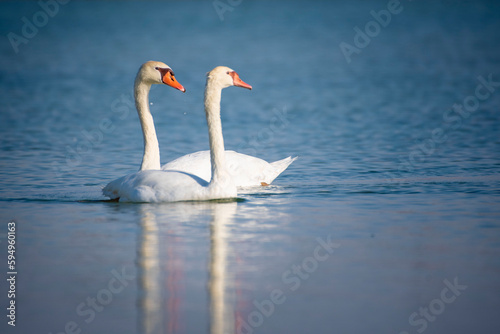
(166, 186)
(150, 183)
(246, 171)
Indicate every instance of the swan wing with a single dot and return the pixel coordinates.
(247, 171)
(197, 163)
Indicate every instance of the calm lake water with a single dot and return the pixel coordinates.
(389, 221)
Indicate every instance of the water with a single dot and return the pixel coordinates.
(404, 191)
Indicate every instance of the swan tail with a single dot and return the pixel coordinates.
(279, 167)
(112, 189)
(111, 193)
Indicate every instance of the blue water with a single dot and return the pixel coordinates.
(404, 190)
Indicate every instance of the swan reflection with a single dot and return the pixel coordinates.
(221, 283)
(149, 264)
(162, 267)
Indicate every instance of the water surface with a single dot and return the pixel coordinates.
(394, 197)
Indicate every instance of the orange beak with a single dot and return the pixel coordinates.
(168, 78)
(238, 82)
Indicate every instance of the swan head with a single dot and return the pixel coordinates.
(156, 72)
(226, 77)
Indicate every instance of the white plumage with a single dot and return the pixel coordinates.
(151, 184)
(247, 171)
(203, 175)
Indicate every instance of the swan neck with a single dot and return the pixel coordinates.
(216, 140)
(151, 157)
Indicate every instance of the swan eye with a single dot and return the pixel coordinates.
(157, 68)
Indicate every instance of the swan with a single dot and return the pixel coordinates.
(150, 183)
(246, 170)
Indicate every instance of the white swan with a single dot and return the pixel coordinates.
(151, 184)
(247, 171)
